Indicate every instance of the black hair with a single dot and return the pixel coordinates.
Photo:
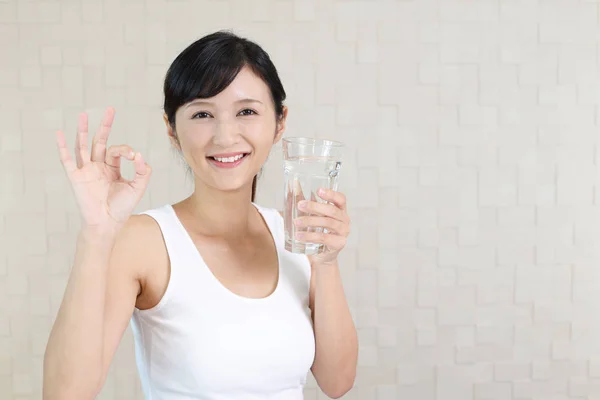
(207, 66)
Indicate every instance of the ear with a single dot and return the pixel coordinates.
(281, 125)
(172, 135)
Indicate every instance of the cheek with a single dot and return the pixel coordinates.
(195, 138)
(260, 135)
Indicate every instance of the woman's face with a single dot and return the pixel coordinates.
(226, 139)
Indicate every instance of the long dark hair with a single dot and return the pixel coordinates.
(207, 66)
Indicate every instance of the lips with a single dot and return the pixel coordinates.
(229, 160)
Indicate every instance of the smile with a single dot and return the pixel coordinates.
(227, 160)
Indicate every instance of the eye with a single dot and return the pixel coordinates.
(201, 114)
(247, 112)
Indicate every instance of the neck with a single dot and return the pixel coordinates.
(221, 213)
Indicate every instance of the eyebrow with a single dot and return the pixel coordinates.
(208, 103)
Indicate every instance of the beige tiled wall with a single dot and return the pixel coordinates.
(472, 174)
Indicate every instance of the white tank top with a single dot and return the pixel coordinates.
(202, 341)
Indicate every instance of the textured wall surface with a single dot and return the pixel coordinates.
(472, 174)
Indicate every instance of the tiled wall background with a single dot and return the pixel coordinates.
(472, 174)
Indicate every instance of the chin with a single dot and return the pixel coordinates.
(231, 186)
(231, 190)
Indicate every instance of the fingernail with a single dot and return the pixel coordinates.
(302, 204)
(322, 192)
(297, 186)
(299, 235)
(298, 222)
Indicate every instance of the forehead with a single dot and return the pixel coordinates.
(246, 85)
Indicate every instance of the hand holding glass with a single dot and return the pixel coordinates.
(309, 164)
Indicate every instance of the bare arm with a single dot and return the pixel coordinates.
(334, 367)
(336, 355)
(103, 283)
(74, 351)
(97, 305)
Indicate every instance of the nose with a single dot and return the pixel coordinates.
(227, 134)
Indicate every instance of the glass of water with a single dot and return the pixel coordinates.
(309, 164)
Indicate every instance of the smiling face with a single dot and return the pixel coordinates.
(227, 138)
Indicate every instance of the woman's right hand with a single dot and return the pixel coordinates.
(105, 198)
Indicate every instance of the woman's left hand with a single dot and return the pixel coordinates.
(333, 217)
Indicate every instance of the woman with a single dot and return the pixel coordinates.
(218, 308)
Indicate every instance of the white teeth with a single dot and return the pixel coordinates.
(229, 159)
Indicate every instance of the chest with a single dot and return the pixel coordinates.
(233, 347)
(206, 339)
(247, 268)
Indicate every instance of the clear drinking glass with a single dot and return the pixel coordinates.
(309, 164)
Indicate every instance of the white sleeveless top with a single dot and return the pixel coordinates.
(202, 341)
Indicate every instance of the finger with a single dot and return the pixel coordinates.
(142, 174)
(65, 156)
(323, 209)
(337, 198)
(293, 196)
(101, 137)
(115, 153)
(332, 242)
(332, 225)
(289, 204)
(298, 192)
(82, 154)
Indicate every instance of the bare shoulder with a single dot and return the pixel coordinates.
(139, 245)
(140, 224)
(140, 232)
